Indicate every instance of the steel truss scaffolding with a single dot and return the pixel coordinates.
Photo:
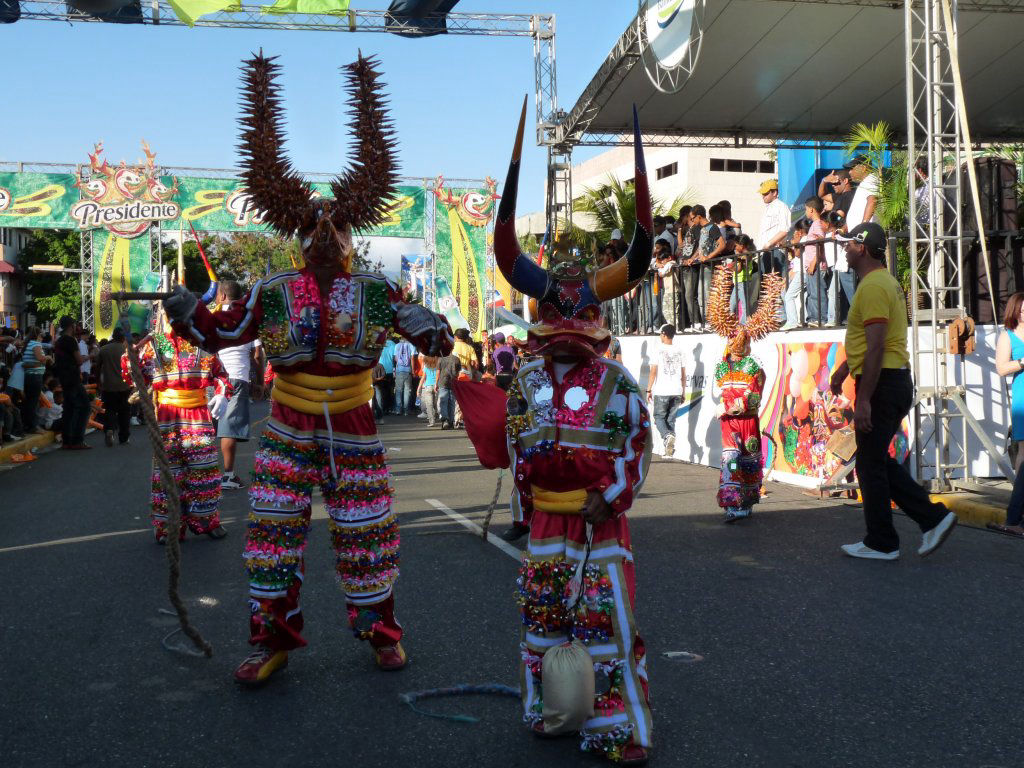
(935, 135)
(539, 27)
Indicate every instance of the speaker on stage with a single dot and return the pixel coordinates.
(10, 11)
(997, 190)
(113, 11)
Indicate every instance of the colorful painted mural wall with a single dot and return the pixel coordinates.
(799, 414)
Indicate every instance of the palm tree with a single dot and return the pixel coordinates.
(612, 206)
(872, 141)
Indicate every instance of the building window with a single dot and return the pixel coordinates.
(719, 164)
(668, 170)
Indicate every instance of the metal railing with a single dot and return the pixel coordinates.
(820, 301)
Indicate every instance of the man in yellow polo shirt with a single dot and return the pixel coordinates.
(878, 359)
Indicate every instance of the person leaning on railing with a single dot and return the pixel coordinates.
(689, 272)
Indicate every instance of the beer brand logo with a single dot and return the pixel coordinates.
(474, 207)
(667, 11)
(243, 208)
(5, 199)
(124, 200)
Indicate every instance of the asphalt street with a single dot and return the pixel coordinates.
(809, 659)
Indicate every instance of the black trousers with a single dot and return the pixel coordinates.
(691, 287)
(882, 479)
(33, 388)
(117, 414)
(76, 412)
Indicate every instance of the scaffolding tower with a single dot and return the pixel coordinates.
(539, 27)
(935, 136)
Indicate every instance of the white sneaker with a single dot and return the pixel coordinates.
(231, 482)
(422, 416)
(860, 549)
(670, 445)
(932, 540)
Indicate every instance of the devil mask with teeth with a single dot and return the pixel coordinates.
(568, 297)
(287, 202)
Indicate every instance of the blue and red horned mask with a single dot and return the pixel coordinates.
(568, 295)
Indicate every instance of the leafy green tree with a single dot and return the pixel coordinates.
(249, 256)
(53, 295)
(613, 206)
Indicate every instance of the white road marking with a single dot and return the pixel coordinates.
(501, 544)
(92, 537)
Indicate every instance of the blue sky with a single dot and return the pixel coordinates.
(455, 100)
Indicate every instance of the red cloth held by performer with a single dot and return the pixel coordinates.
(483, 410)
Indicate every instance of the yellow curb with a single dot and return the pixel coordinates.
(972, 509)
(25, 445)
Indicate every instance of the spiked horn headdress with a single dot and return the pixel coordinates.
(764, 319)
(287, 202)
(568, 298)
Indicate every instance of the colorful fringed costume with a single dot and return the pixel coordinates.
(579, 445)
(739, 383)
(180, 374)
(589, 432)
(323, 328)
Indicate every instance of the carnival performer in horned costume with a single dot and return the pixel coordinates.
(323, 327)
(179, 373)
(578, 437)
(739, 383)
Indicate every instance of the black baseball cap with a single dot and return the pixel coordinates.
(868, 234)
(855, 161)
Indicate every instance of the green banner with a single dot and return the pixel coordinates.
(44, 201)
(37, 200)
(222, 205)
(119, 264)
(460, 249)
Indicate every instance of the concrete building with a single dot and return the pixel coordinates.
(13, 303)
(700, 175)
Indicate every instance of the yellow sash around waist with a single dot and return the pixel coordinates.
(182, 398)
(558, 502)
(314, 395)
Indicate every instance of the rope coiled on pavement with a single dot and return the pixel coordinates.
(456, 690)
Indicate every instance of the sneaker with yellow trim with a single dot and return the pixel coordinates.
(259, 665)
(390, 658)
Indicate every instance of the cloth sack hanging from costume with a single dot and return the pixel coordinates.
(568, 675)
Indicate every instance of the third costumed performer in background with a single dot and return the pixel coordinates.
(739, 382)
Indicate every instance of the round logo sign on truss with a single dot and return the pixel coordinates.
(670, 32)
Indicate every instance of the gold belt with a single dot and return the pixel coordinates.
(558, 502)
(182, 398)
(315, 395)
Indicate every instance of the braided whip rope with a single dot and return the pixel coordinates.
(493, 504)
(170, 487)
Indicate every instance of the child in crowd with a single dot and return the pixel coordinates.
(791, 299)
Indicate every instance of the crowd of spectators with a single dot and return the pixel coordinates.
(687, 249)
(405, 381)
(60, 379)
